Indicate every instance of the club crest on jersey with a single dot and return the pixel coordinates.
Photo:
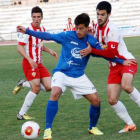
(41, 44)
(33, 74)
(75, 53)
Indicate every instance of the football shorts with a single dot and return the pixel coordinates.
(38, 73)
(116, 73)
(78, 86)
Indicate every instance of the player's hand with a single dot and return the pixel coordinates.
(21, 29)
(86, 51)
(33, 64)
(130, 62)
(53, 53)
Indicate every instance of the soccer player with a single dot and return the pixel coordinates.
(69, 72)
(69, 26)
(120, 77)
(31, 49)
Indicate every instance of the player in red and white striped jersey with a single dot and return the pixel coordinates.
(120, 76)
(69, 26)
(36, 74)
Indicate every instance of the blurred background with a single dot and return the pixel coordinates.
(125, 13)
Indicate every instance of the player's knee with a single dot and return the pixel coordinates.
(36, 89)
(112, 101)
(48, 88)
(54, 96)
(96, 102)
(127, 88)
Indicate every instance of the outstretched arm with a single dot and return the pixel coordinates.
(40, 35)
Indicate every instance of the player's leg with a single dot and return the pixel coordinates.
(22, 84)
(114, 91)
(52, 106)
(94, 113)
(35, 88)
(45, 78)
(46, 83)
(83, 87)
(51, 111)
(134, 94)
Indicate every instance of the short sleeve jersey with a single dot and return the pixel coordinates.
(33, 46)
(110, 33)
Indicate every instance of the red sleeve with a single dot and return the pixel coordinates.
(21, 43)
(64, 30)
(109, 53)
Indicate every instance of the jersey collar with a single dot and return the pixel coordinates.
(34, 27)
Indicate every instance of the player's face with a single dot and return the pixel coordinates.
(102, 17)
(36, 19)
(81, 30)
(69, 20)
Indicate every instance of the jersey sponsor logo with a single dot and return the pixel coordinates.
(71, 63)
(112, 34)
(75, 53)
(20, 35)
(112, 46)
(131, 70)
(72, 42)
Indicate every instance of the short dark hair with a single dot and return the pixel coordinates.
(104, 5)
(37, 9)
(82, 19)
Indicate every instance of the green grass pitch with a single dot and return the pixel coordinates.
(72, 120)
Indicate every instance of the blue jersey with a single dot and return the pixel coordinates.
(70, 61)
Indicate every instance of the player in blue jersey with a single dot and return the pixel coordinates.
(69, 71)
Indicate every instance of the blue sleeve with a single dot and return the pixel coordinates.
(59, 38)
(95, 44)
(117, 60)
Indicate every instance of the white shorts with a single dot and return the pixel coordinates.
(79, 86)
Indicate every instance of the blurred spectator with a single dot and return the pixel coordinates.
(69, 26)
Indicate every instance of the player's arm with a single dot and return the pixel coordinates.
(21, 50)
(59, 38)
(97, 50)
(53, 53)
(109, 53)
(127, 62)
(117, 60)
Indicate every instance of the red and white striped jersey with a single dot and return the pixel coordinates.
(33, 46)
(110, 33)
(69, 27)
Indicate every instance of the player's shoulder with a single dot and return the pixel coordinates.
(90, 37)
(112, 25)
(91, 40)
(70, 33)
(42, 28)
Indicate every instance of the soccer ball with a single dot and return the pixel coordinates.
(30, 130)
